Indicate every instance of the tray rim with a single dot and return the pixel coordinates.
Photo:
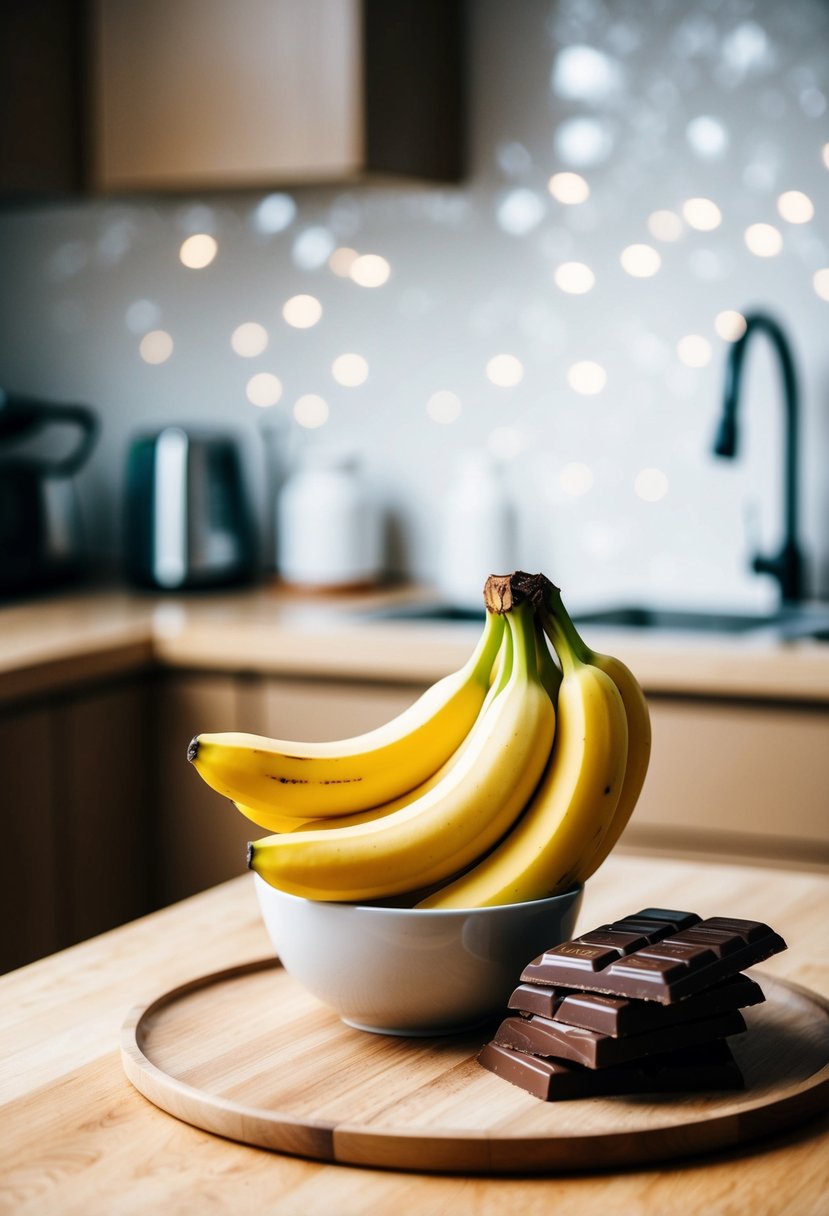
(348, 1143)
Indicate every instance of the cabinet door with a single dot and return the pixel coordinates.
(208, 94)
(330, 709)
(30, 881)
(201, 837)
(105, 812)
(222, 94)
(737, 778)
(41, 111)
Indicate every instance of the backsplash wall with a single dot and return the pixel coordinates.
(606, 433)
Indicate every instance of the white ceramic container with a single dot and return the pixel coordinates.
(412, 971)
(478, 531)
(328, 523)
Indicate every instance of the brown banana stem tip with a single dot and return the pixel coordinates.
(502, 592)
(193, 749)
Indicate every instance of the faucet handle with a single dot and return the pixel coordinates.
(725, 440)
(762, 564)
(786, 567)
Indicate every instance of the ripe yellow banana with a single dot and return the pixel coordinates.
(273, 820)
(639, 732)
(444, 831)
(546, 598)
(573, 806)
(278, 823)
(316, 780)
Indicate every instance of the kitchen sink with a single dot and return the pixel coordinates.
(637, 617)
(808, 621)
(794, 621)
(626, 616)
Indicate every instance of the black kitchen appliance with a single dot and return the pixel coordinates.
(41, 537)
(187, 523)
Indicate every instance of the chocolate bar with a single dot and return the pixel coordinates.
(541, 1036)
(619, 1016)
(656, 955)
(705, 1068)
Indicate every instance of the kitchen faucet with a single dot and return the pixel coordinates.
(785, 566)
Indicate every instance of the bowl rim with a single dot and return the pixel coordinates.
(375, 909)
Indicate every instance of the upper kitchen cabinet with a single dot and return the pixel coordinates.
(42, 115)
(195, 95)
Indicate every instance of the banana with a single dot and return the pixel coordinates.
(273, 820)
(316, 780)
(278, 823)
(573, 806)
(444, 831)
(502, 670)
(639, 732)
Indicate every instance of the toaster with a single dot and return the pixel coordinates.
(187, 520)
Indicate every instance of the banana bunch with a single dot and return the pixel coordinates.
(589, 787)
(447, 827)
(508, 781)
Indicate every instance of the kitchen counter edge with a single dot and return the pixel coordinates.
(55, 642)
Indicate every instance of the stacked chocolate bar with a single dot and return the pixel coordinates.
(642, 1005)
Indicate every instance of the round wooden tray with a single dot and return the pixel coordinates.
(247, 1054)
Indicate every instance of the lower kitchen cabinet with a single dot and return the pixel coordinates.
(728, 778)
(104, 806)
(30, 902)
(330, 709)
(201, 838)
(76, 818)
(736, 778)
(104, 819)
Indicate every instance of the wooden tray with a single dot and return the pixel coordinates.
(247, 1054)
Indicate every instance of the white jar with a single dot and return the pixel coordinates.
(478, 533)
(328, 526)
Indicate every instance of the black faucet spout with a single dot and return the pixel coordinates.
(787, 565)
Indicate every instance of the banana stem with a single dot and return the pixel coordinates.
(520, 596)
(559, 627)
(482, 659)
(505, 670)
(520, 622)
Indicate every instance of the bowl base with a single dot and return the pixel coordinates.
(419, 1032)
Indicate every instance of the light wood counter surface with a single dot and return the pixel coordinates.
(56, 641)
(78, 1139)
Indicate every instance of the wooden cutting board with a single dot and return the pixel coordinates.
(249, 1055)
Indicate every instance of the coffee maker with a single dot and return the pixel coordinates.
(41, 538)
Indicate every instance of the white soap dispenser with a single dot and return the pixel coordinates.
(478, 530)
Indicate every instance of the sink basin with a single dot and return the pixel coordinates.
(797, 622)
(626, 616)
(636, 617)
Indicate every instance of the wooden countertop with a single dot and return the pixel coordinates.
(59, 640)
(78, 1139)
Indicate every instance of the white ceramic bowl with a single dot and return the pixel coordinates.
(412, 971)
